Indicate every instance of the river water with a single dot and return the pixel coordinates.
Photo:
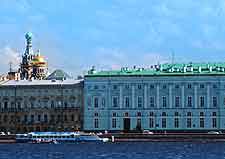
(123, 150)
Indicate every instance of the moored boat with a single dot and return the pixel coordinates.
(58, 137)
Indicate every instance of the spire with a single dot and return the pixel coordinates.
(10, 66)
(29, 50)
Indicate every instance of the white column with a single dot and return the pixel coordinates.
(182, 96)
(208, 96)
(145, 96)
(157, 95)
(121, 96)
(133, 96)
(195, 96)
(170, 96)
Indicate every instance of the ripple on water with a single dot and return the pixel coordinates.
(135, 150)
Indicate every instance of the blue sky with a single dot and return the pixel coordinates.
(76, 34)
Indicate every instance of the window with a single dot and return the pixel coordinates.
(25, 104)
(189, 120)
(189, 101)
(189, 86)
(164, 101)
(39, 117)
(19, 105)
(176, 120)
(96, 102)
(151, 86)
(32, 118)
(114, 114)
(224, 101)
(201, 120)
(72, 117)
(65, 118)
(177, 101)
(103, 102)
(32, 104)
(5, 105)
(138, 126)
(127, 102)
(214, 120)
(115, 102)
(95, 87)
(45, 118)
(115, 87)
(140, 102)
(202, 101)
(25, 118)
(152, 101)
(139, 86)
(151, 122)
(127, 86)
(114, 123)
(164, 120)
(151, 114)
(89, 101)
(164, 86)
(177, 86)
(96, 124)
(202, 86)
(139, 114)
(214, 101)
(52, 104)
(214, 86)
(96, 114)
(65, 104)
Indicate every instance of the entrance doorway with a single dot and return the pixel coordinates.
(126, 124)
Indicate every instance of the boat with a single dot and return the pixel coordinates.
(58, 137)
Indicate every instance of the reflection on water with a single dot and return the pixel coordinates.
(134, 150)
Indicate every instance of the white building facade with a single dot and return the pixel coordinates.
(178, 97)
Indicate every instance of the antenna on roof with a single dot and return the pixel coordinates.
(10, 66)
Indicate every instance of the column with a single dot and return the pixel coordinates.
(182, 96)
(157, 95)
(208, 95)
(195, 96)
(133, 96)
(121, 96)
(170, 96)
(145, 96)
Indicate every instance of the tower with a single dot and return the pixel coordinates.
(32, 65)
(25, 67)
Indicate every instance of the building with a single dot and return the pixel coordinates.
(167, 97)
(41, 105)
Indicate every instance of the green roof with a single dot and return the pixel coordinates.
(189, 69)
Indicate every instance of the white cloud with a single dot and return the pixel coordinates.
(7, 55)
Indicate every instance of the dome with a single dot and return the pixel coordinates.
(28, 35)
(38, 60)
